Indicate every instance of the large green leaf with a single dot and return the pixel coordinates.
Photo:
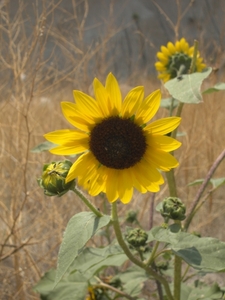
(187, 88)
(79, 230)
(205, 253)
(71, 287)
(220, 86)
(92, 260)
(133, 279)
(206, 293)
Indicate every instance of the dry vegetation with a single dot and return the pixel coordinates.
(32, 84)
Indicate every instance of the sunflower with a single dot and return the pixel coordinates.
(119, 150)
(175, 60)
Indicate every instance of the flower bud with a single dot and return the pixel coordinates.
(131, 216)
(173, 208)
(137, 237)
(53, 178)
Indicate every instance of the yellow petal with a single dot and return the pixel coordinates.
(102, 98)
(162, 57)
(65, 135)
(162, 142)
(132, 102)
(75, 117)
(165, 51)
(171, 48)
(80, 166)
(113, 89)
(87, 105)
(125, 186)
(138, 186)
(160, 159)
(163, 126)
(71, 148)
(160, 66)
(111, 185)
(148, 108)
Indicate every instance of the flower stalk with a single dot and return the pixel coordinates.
(87, 202)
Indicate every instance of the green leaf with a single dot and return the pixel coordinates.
(133, 279)
(71, 287)
(166, 103)
(220, 86)
(215, 182)
(207, 293)
(187, 90)
(79, 230)
(45, 146)
(196, 182)
(205, 254)
(92, 260)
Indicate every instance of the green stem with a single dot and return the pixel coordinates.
(152, 256)
(87, 202)
(177, 277)
(194, 57)
(171, 183)
(132, 258)
(177, 274)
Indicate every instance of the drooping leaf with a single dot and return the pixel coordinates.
(187, 89)
(79, 230)
(45, 146)
(220, 86)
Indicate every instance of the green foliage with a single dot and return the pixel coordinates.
(72, 286)
(79, 230)
(187, 88)
(205, 253)
(45, 146)
(220, 86)
(216, 182)
(166, 103)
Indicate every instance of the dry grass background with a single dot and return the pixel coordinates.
(31, 88)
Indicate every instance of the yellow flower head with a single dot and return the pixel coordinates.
(175, 60)
(119, 149)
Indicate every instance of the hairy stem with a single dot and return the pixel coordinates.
(87, 202)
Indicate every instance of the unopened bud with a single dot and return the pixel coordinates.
(53, 178)
(173, 208)
(137, 237)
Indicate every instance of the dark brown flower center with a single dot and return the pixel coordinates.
(117, 143)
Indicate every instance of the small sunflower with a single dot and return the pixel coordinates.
(119, 150)
(175, 60)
